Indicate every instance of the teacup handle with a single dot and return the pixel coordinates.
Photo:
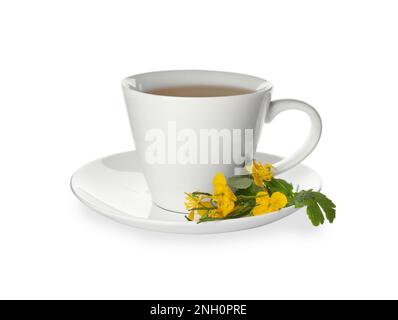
(279, 106)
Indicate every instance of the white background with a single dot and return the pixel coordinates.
(61, 105)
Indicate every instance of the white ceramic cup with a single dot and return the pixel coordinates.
(169, 180)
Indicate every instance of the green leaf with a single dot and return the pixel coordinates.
(250, 191)
(197, 193)
(280, 185)
(314, 213)
(240, 182)
(240, 212)
(301, 197)
(327, 206)
(315, 201)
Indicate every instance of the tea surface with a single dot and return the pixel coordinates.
(199, 91)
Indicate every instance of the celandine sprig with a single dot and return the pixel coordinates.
(256, 193)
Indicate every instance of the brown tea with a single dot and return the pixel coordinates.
(199, 91)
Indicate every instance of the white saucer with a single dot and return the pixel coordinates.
(115, 187)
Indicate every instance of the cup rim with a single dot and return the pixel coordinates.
(262, 84)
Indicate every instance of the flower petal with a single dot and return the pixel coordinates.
(260, 209)
(262, 197)
(278, 201)
(191, 215)
(219, 183)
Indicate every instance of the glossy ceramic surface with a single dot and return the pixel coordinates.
(115, 187)
(171, 116)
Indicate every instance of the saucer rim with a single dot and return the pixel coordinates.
(126, 216)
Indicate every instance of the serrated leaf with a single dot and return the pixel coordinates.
(302, 196)
(314, 213)
(240, 182)
(317, 205)
(327, 206)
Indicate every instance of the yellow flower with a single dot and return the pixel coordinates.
(196, 204)
(221, 187)
(191, 201)
(221, 203)
(215, 214)
(278, 201)
(266, 204)
(191, 215)
(260, 172)
(225, 205)
(262, 198)
(223, 196)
